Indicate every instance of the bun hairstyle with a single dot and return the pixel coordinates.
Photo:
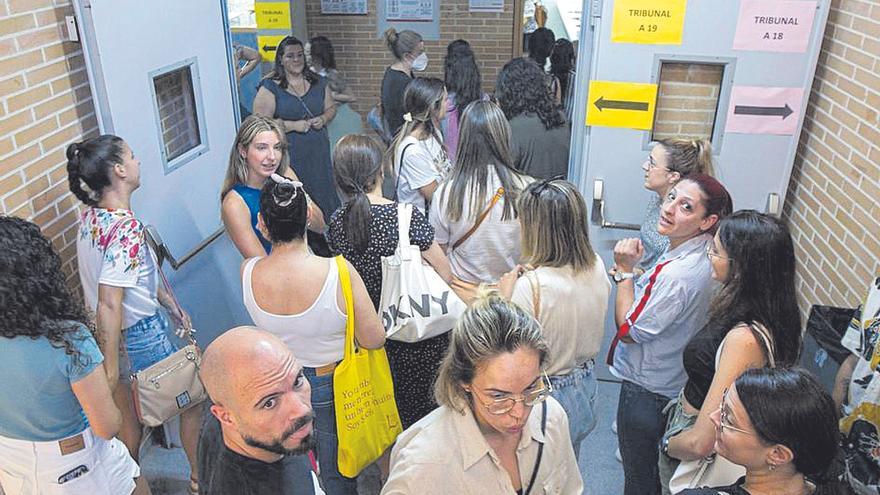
(284, 208)
(357, 169)
(716, 199)
(89, 164)
(401, 43)
(541, 45)
(688, 156)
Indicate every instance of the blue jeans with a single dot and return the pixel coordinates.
(576, 392)
(146, 343)
(640, 426)
(333, 482)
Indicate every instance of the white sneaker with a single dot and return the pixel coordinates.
(617, 455)
(614, 427)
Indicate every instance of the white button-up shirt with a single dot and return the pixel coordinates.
(445, 452)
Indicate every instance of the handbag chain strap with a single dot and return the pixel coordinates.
(498, 194)
(540, 448)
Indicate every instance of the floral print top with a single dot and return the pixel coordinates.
(112, 250)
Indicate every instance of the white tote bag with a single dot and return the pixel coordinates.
(416, 304)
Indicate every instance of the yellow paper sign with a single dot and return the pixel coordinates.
(621, 104)
(272, 15)
(648, 21)
(268, 45)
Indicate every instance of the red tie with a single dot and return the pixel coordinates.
(623, 331)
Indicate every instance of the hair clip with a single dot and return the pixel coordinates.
(280, 179)
(407, 117)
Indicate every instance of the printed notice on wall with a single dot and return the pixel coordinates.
(648, 21)
(486, 6)
(621, 104)
(409, 10)
(272, 15)
(763, 110)
(774, 26)
(343, 6)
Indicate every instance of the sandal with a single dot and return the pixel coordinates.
(193, 486)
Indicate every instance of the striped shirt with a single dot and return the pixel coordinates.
(676, 308)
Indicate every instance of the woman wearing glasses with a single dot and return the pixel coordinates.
(497, 430)
(299, 100)
(670, 161)
(564, 286)
(656, 316)
(781, 425)
(754, 321)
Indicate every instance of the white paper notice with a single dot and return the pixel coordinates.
(343, 6)
(486, 5)
(409, 10)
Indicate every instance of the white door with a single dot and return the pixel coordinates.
(752, 160)
(160, 76)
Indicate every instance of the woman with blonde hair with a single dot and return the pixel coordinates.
(259, 150)
(417, 156)
(563, 284)
(670, 161)
(408, 51)
(495, 404)
(474, 216)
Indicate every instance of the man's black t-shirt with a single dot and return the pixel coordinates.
(222, 471)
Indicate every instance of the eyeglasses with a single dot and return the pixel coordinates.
(711, 253)
(504, 405)
(723, 419)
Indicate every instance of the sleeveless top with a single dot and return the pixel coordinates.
(251, 197)
(698, 359)
(317, 335)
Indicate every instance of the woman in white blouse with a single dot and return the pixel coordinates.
(497, 429)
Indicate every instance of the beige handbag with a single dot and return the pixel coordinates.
(172, 385)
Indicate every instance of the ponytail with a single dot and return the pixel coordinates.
(689, 156)
(88, 166)
(357, 169)
(401, 43)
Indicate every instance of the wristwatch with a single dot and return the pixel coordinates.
(621, 276)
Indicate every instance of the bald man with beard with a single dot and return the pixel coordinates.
(261, 417)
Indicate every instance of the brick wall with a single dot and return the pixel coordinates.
(362, 57)
(833, 202)
(687, 100)
(45, 104)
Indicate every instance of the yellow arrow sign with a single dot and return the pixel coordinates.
(648, 21)
(272, 15)
(621, 104)
(267, 46)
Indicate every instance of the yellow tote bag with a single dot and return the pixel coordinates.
(367, 422)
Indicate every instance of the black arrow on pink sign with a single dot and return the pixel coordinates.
(783, 111)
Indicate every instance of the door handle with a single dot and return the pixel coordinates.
(597, 215)
(161, 249)
(773, 206)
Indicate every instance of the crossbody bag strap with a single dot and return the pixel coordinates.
(498, 194)
(400, 170)
(532, 277)
(762, 331)
(540, 448)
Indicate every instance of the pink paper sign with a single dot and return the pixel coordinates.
(774, 26)
(760, 110)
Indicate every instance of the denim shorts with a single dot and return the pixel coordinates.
(146, 343)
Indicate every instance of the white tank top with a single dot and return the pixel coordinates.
(317, 335)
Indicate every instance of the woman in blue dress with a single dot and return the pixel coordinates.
(298, 99)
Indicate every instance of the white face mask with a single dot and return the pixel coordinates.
(421, 62)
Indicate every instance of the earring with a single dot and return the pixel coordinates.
(771, 466)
